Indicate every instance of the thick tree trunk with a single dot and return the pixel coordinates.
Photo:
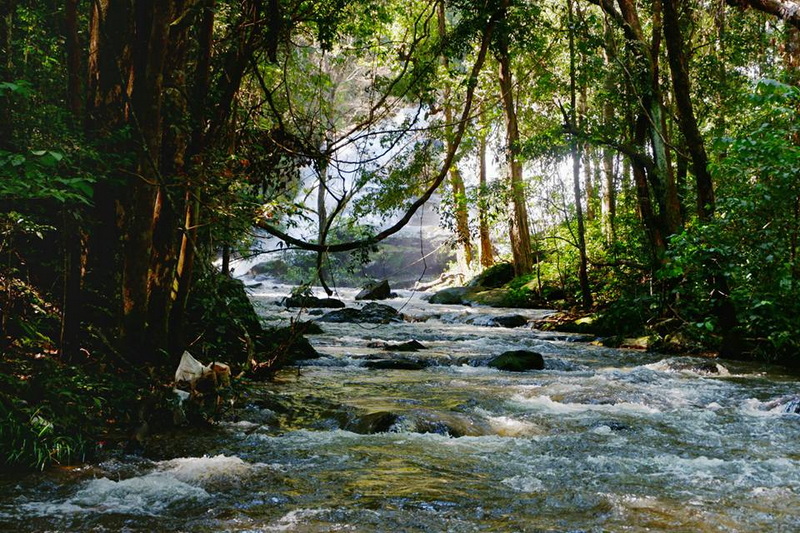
(788, 10)
(519, 233)
(686, 116)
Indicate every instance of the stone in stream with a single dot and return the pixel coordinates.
(409, 346)
(372, 313)
(313, 301)
(508, 321)
(518, 361)
(377, 422)
(379, 290)
(395, 364)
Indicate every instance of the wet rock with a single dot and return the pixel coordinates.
(377, 422)
(372, 313)
(409, 346)
(395, 364)
(316, 312)
(255, 285)
(313, 301)
(518, 361)
(451, 296)
(375, 291)
(444, 423)
(494, 277)
(508, 321)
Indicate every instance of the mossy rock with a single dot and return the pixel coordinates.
(493, 277)
(452, 296)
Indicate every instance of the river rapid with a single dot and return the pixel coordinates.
(600, 440)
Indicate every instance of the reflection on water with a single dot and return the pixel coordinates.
(601, 440)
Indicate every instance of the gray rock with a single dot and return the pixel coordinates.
(375, 291)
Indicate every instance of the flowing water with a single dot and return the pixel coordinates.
(600, 440)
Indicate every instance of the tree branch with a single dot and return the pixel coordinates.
(787, 10)
(443, 172)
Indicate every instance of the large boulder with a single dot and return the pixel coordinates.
(372, 313)
(379, 290)
(451, 296)
(518, 361)
(493, 277)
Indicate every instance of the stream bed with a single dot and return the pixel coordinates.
(600, 440)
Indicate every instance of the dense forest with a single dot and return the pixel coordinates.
(636, 162)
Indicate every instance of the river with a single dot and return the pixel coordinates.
(600, 440)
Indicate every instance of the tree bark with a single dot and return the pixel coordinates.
(686, 115)
(7, 8)
(461, 211)
(487, 253)
(519, 233)
(74, 74)
(788, 10)
(610, 188)
(583, 276)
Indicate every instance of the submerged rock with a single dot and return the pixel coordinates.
(395, 364)
(372, 313)
(518, 361)
(375, 291)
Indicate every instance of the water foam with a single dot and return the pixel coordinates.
(146, 495)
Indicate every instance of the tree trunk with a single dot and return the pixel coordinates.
(610, 188)
(461, 210)
(685, 109)
(519, 233)
(487, 253)
(586, 293)
(74, 74)
(6, 70)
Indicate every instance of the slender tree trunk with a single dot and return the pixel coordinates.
(6, 69)
(610, 188)
(518, 222)
(465, 252)
(74, 74)
(586, 293)
(586, 151)
(487, 253)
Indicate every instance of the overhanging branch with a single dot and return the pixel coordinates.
(419, 202)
